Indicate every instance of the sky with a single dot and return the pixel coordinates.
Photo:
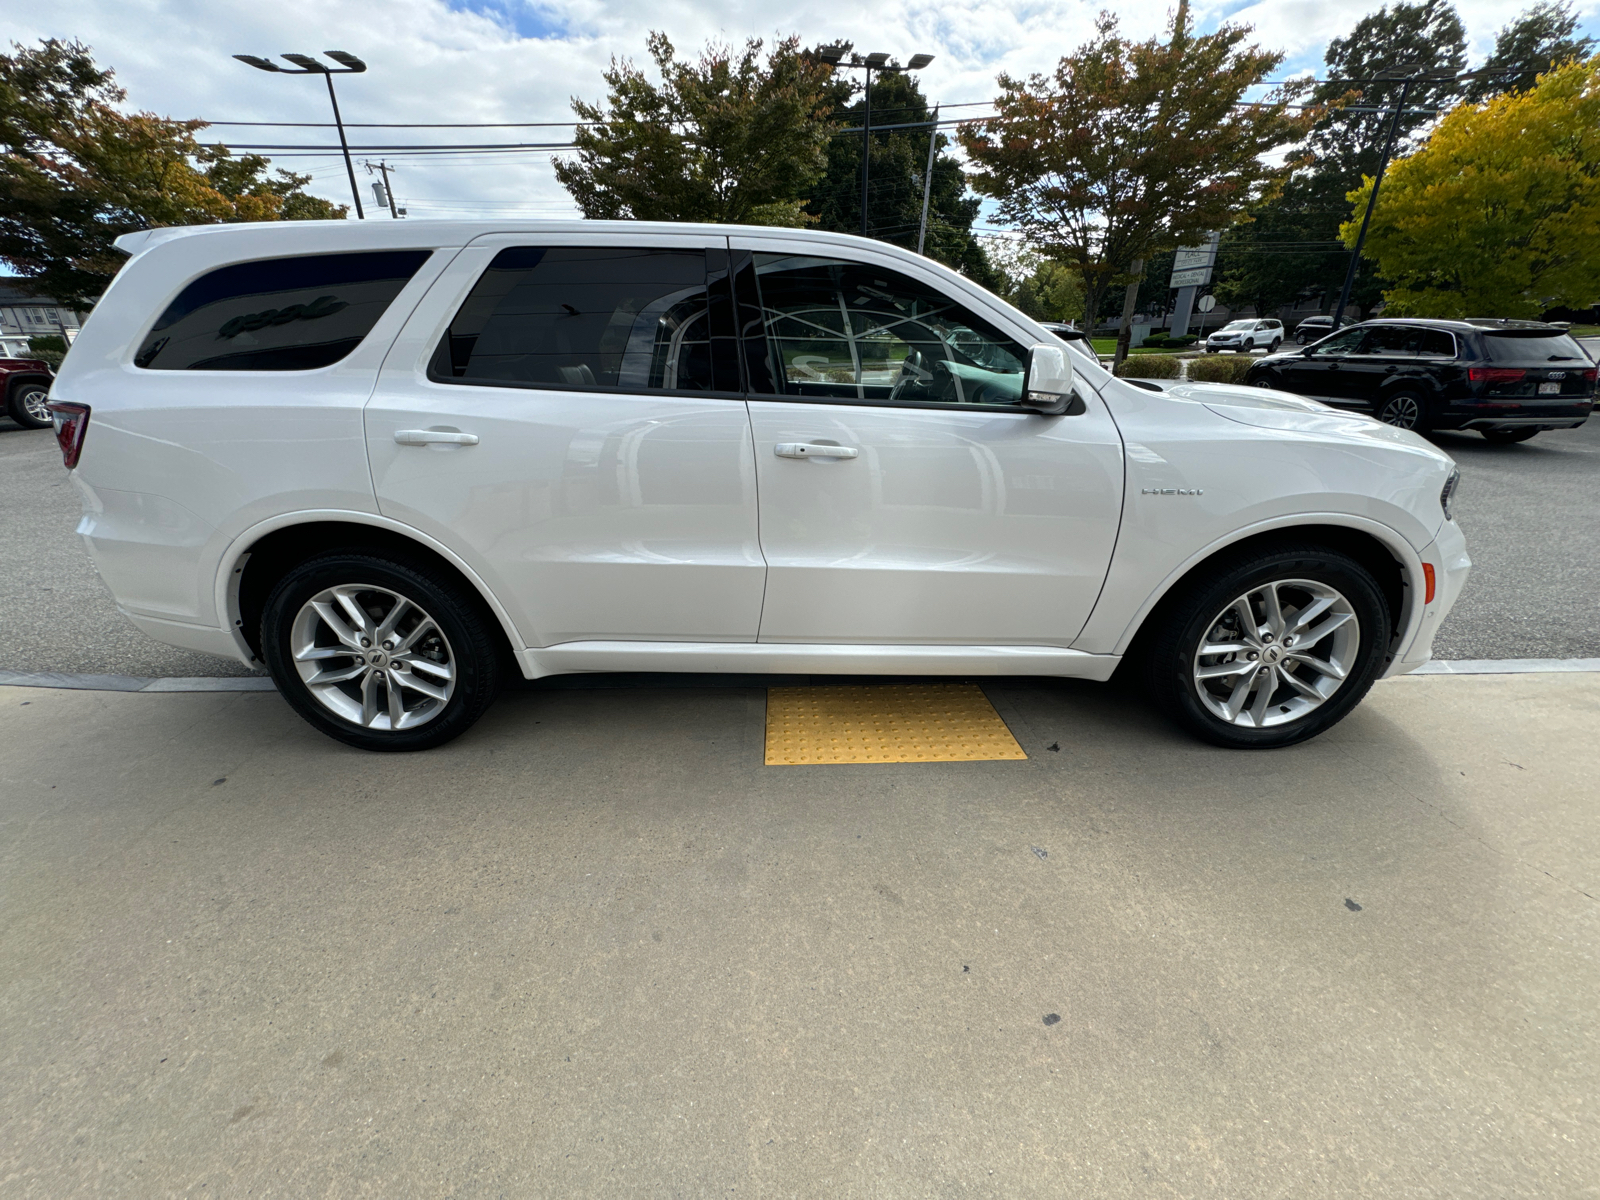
(522, 61)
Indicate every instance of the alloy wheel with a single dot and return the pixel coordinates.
(1276, 653)
(373, 657)
(1402, 411)
(33, 400)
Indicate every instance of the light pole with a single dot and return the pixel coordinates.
(834, 56)
(349, 64)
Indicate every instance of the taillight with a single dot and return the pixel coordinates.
(72, 422)
(1588, 376)
(1495, 374)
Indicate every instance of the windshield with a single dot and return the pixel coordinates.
(1237, 325)
(1532, 347)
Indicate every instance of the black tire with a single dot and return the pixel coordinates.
(467, 646)
(1273, 348)
(1170, 657)
(1507, 437)
(26, 406)
(1405, 410)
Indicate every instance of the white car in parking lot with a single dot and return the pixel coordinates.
(396, 462)
(1247, 335)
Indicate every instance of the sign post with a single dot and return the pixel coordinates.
(1191, 270)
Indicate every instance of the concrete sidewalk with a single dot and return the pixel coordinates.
(595, 948)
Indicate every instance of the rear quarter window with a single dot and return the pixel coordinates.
(278, 314)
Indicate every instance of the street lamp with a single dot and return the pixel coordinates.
(834, 56)
(349, 64)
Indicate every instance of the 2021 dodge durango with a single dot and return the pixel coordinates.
(394, 462)
(1507, 379)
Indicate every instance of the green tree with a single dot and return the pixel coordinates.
(899, 162)
(724, 139)
(1498, 215)
(1289, 250)
(76, 173)
(1540, 38)
(1131, 148)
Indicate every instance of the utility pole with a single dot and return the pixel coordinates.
(927, 180)
(834, 57)
(388, 188)
(349, 64)
(1372, 202)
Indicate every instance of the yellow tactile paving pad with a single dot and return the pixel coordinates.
(892, 723)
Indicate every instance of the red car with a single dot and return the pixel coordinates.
(26, 384)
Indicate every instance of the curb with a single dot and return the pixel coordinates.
(261, 683)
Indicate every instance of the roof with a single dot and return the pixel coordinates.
(18, 295)
(1466, 324)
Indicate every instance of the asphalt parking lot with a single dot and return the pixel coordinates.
(596, 948)
(1528, 512)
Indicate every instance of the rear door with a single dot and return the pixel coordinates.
(905, 499)
(567, 416)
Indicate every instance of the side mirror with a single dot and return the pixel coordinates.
(1047, 387)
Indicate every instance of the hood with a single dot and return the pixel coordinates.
(1269, 409)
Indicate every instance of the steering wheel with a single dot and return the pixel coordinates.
(911, 372)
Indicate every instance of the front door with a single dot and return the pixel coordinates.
(566, 416)
(905, 500)
(1320, 372)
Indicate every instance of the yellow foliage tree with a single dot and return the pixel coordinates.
(1498, 215)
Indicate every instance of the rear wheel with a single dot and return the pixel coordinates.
(27, 405)
(378, 652)
(1273, 649)
(1506, 437)
(1404, 410)
(1276, 342)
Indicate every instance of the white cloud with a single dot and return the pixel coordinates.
(483, 61)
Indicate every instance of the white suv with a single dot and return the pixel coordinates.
(396, 462)
(1247, 335)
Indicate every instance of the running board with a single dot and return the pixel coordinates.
(768, 658)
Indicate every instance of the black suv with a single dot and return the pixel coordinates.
(1507, 379)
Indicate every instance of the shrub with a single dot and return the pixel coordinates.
(1165, 341)
(50, 341)
(1149, 366)
(1220, 368)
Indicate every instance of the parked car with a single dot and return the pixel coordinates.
(1246, 335)
(1314, 328)
(26, 384)
(395, 461)
(1507, 379)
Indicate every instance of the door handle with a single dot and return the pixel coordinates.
(1333, 366)
(428, 437)
(811, 450)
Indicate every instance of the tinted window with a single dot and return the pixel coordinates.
(1533, 350)
(584, 316)
(1389, 340)
(822, 327)
(1341, 343)
(278, 314)
(1435, 343)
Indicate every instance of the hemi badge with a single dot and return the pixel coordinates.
(1172, 491)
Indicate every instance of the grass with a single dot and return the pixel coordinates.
(1585, 331)
(1108, 347)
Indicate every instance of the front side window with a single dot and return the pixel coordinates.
(1390, 341)
(829, 329)
(278, 314)
(1339, 344)
(636, 319)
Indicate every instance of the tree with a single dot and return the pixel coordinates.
(1499, 213)
(1130, 148)
(1041, 287)
(76, 173)
(1537, 40)
(899, 162)
(724, 139)
(1290, 249)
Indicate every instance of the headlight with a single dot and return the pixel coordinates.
(1447, 497)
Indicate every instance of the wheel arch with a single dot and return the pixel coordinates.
(1385, 553)
(20, 379)
(260, 556)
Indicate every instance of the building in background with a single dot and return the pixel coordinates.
(24, 315)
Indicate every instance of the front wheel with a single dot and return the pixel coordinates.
(378, 652)
(1274, 648)
(1507, 437)
(27, 406)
